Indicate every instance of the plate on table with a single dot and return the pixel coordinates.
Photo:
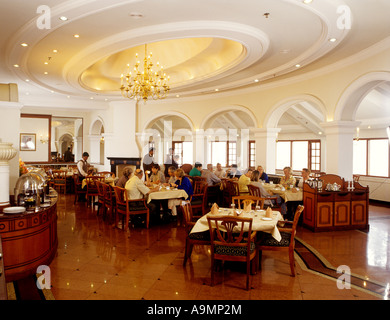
(14, 210)
(45, 205)
(266, 219)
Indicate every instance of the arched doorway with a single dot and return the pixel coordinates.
(227, 136)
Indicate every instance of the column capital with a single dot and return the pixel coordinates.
(264, 132)
(337, 127)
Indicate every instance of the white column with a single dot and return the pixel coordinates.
(6, 154)
(9, 131)
(123, 142)
(200, 154)
(339, 147)
(94, 149)
(266, 148)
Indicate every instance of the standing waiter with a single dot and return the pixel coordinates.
(82, 166)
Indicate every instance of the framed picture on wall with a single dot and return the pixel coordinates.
(27, 142)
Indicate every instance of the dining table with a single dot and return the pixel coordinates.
(164, 193)
(259, 220)
(290, 194)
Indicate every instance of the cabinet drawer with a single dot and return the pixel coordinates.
(342, 196)
(325, 197)
(359, 196)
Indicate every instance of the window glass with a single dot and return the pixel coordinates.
(300, 151)
(378, 158)
(283, 154)
(218, 153)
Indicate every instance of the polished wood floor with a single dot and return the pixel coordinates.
(97, 261)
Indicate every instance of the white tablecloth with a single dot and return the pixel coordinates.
(167, 194)
(287, 195)
(257, 224)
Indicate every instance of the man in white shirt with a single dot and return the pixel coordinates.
(82, 166)
(136, 189)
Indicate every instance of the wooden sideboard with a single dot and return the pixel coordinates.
(336, 210)
(29, 240)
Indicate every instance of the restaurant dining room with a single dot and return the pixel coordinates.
(184, 154)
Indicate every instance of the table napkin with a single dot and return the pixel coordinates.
(268, 212)
(214, 209)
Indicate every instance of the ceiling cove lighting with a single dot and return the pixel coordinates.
(146, 83)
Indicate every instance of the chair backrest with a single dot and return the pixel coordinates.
(187, 214)
(101, 188)
(242, 201)
(298, 212)
(186, 167)
(91, 181)
(230, 231)
(107, 191)
(199, 187)
(233, 188)
(59, 174)
(121, 199)
(254, 191)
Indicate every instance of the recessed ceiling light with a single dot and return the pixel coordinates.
(332, 40)
(63, 18)
(177, 96)
(46, 62)
(297, 65)
(76, 36)
(216, 89)
(16, 66)
(24, 44)
(46, 72)
(27, 80)
(55, 51)
(307, 1)
(257, 80)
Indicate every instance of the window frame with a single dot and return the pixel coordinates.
(310, 150)
(368, 156)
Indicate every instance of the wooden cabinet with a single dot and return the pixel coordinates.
(29, 240)
(336, 210)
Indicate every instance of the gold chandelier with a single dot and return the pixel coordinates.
(146, 83)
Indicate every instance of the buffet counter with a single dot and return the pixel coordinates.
(29, 239)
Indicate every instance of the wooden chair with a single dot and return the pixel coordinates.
(92, 190)
(186, 167)
(59, 180)
(242, 201)
(286, 244)
(230, 241)
(127, 207)
(226, 199)
(255, 191)
(109, 201)
(101, 195)
(198, 199)
(196, 238)
(78, 189)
